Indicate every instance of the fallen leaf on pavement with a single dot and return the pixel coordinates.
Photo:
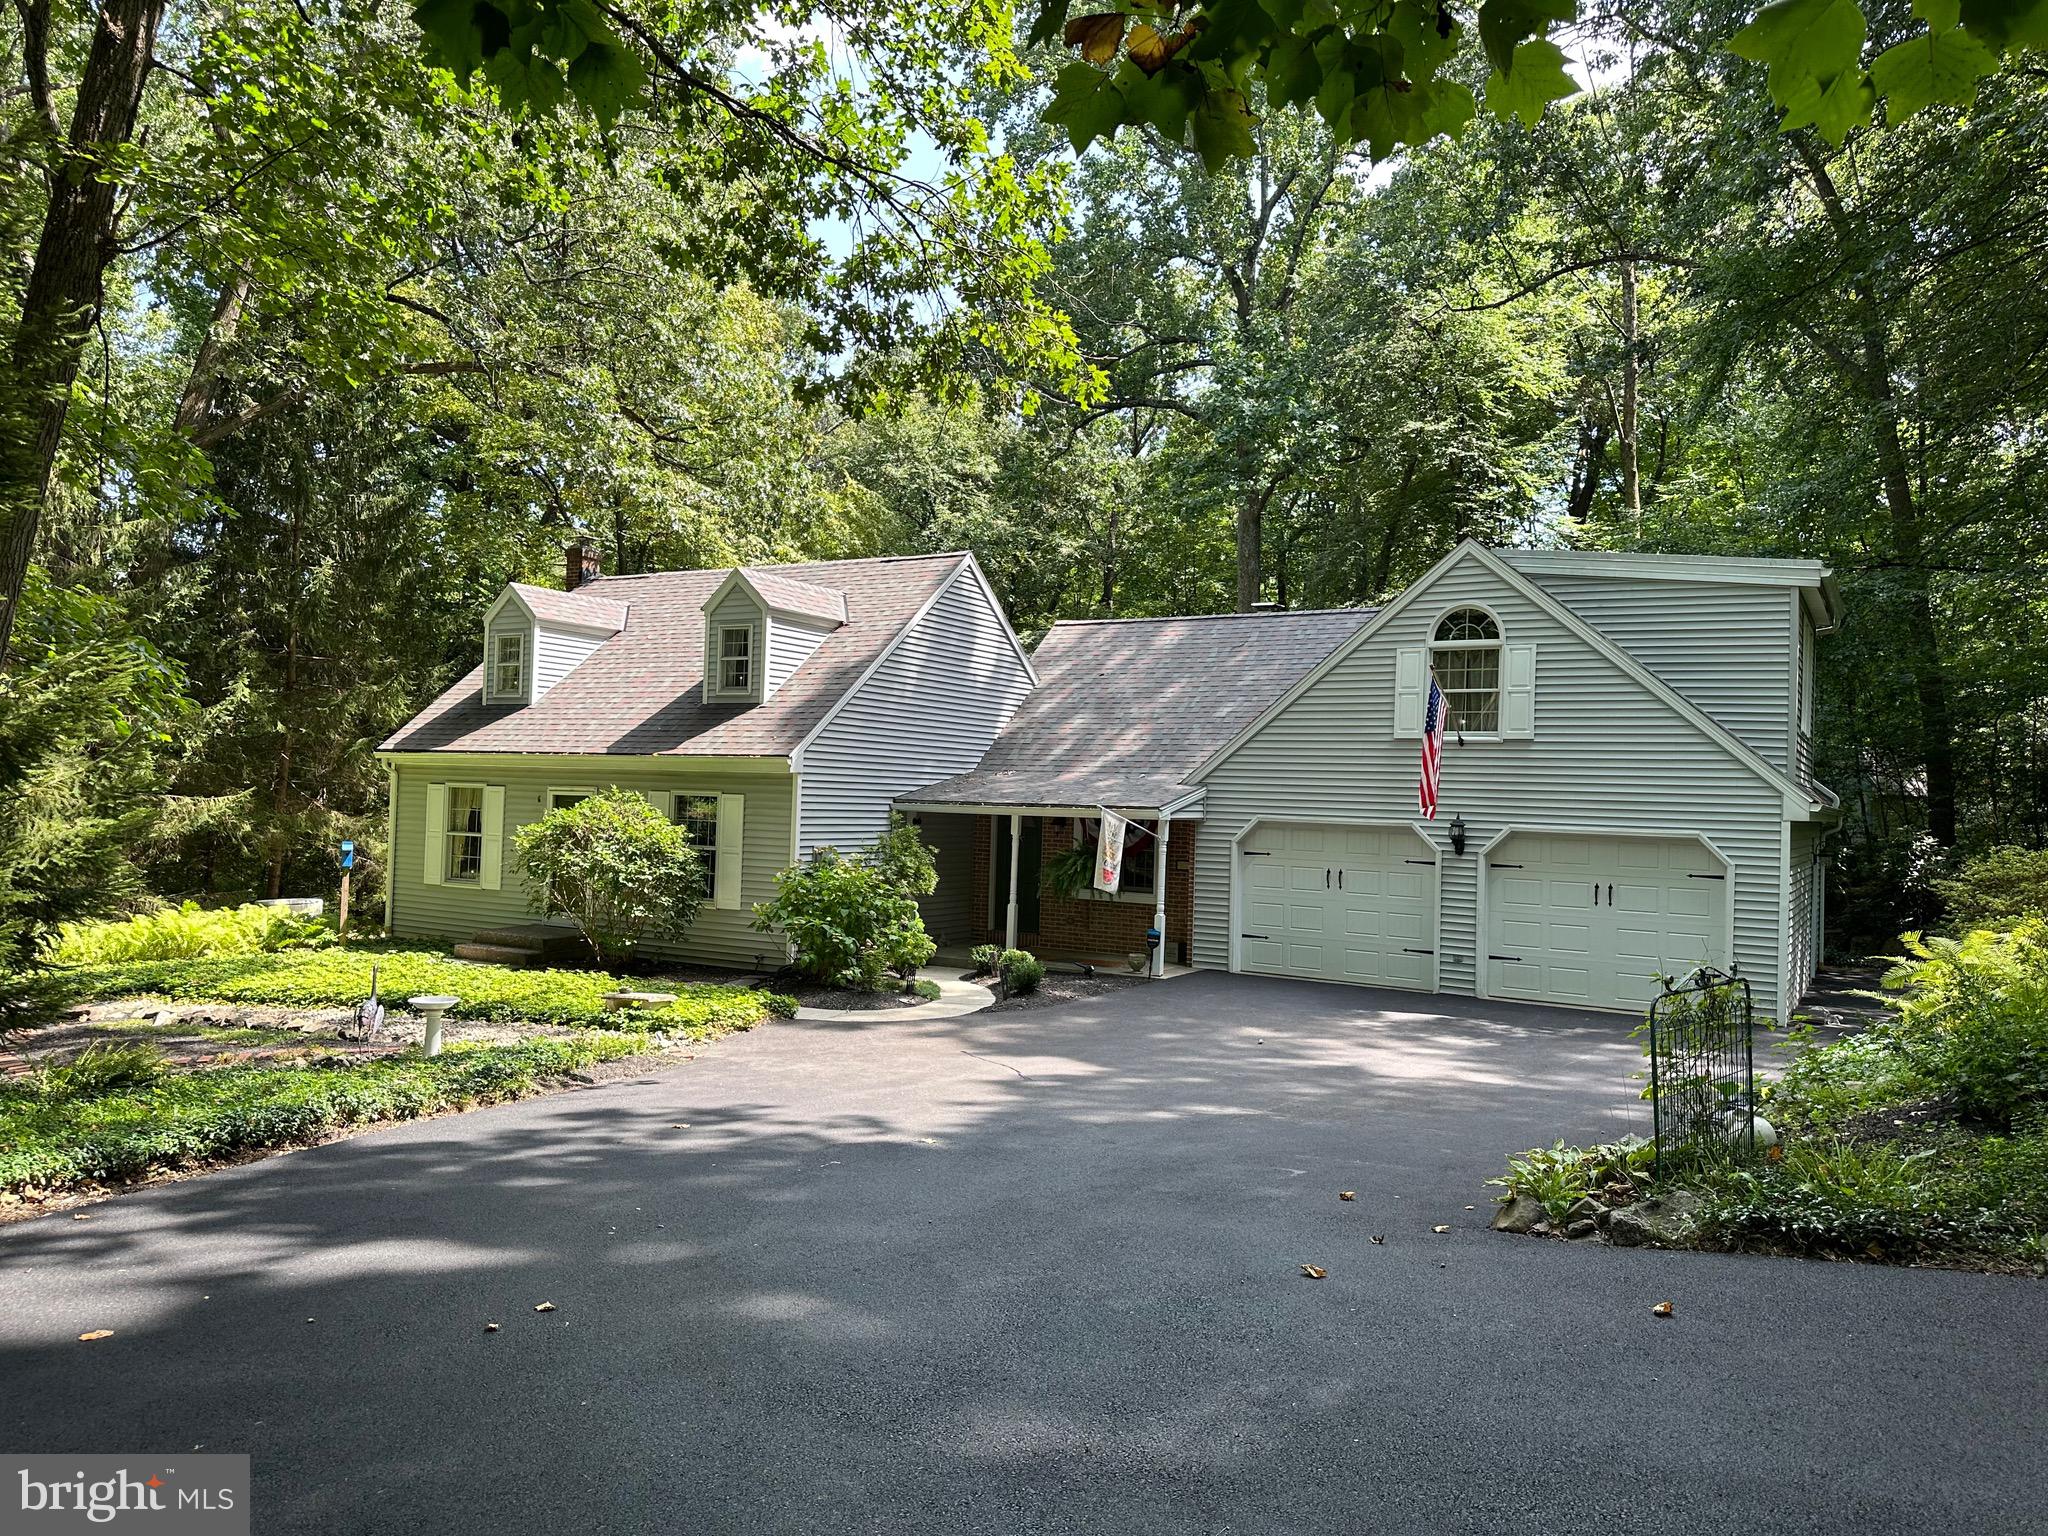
(1312, 1272)
(490, 1327)
(1662, 1309)
(1347, 1194)
(1440, 1229)
(97, 1333)
(81, 1216)
(1380, 1238)
(546, 1306)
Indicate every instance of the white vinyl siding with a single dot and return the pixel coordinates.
(1804, 923)
(1609, 754)
(927, 712)
(790, 643)
(558, 651)
(1726, 648)
(736, 610)
(754, 846)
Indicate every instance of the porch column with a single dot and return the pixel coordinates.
(1159, 895)
(1016, 857)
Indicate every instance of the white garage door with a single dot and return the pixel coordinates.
(1595, 920)
(1338, 904)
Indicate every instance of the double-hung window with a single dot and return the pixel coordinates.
(1466, 659)
(736, 658)
(1141, 848)
(465, 837)
(508, 666)
(697, 815)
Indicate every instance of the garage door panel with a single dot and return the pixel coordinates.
(1339, 904)
(1594, 920)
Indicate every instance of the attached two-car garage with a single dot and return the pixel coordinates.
(1577, 918)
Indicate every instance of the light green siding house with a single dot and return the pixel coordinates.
(1626, 786)
(1624, 793)
(770, 710)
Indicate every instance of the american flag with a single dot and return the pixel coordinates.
(1432, 750)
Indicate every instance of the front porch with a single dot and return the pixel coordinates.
(995, 834)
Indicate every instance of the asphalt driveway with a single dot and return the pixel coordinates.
(1030, 1272)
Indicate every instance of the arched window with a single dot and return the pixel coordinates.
(1465, 657)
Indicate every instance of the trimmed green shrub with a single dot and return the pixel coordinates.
(1974, 1016)
(615, 867)
(182, 1118)
(1997, 889)
(337, 978)
(984, 958)
(851, 921)
(187, 932)
(1021, 970)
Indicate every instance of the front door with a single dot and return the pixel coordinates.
(1027, 874)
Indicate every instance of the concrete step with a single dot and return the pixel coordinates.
(537, 939)
(497, 954)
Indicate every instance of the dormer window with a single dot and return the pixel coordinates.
(508, 666)
(736, 658)
(1465, 657)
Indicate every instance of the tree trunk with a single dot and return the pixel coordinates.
(1631, 389)
(196, 404)
(1251, 513)
(62, 296)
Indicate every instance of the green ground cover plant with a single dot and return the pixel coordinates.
(59, 1129)
(329, 978)
(1923, 1139)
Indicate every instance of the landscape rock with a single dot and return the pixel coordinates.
(1653, 1223)
(1518, 1215)
(1585, 1227)
(1585, 1208)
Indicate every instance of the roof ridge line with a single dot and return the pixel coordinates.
(1181, 618)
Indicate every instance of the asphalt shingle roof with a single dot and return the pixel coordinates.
(642, 691)
(788, 595)
(1126, 709)
(586, 608)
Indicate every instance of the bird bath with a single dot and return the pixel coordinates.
(430, 1010)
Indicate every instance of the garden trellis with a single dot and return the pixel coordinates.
(1703, 1064)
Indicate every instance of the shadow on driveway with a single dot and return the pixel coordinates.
(1018, 1272)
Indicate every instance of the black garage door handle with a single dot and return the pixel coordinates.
(1514, 959)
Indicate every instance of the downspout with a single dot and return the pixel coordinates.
(390, 843)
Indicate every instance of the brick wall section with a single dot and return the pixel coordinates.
(1092, 926)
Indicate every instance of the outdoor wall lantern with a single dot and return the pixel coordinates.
(1458, 835)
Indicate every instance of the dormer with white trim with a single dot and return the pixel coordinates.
(759, 627)
(535, 637)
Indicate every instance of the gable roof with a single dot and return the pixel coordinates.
(785, 594)
(583, 609)
(1472, 550)
(1125, 709)
(1812, 580)
(641, 692)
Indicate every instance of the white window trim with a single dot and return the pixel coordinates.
(521, 638)
(714, 661)
(1498, 645)
(548, 797)
(448, 877)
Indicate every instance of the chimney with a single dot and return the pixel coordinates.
(579, 564)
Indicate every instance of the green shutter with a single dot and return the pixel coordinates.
(725, 893)
(489, 875)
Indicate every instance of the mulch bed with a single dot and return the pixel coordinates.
(1062, 987)
(846, 1000)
